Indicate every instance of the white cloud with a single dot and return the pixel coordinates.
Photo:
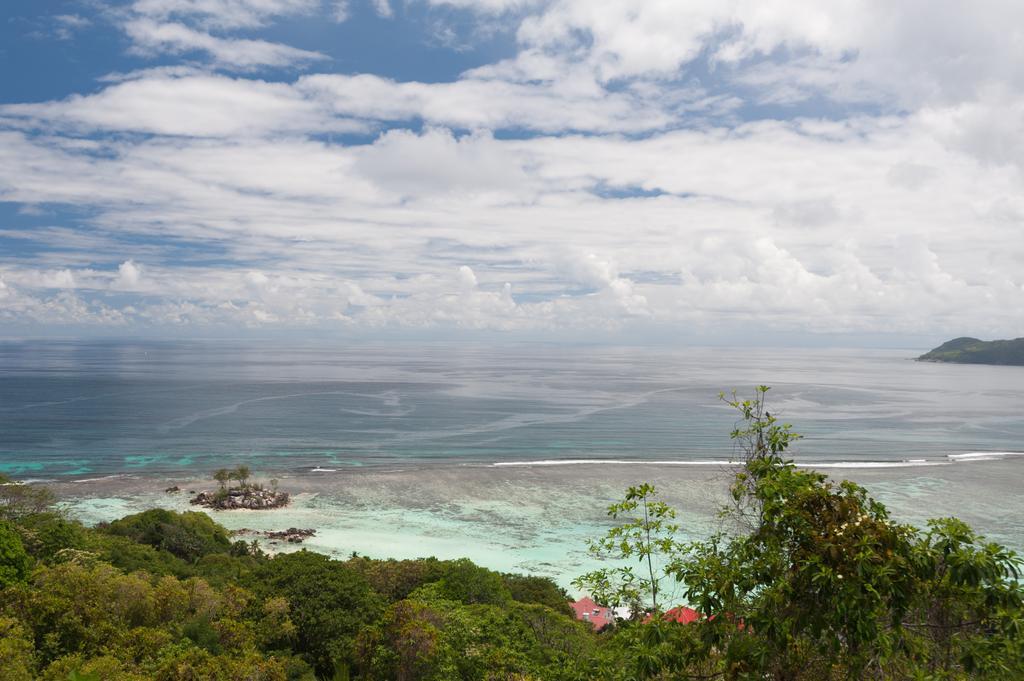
(69, 24)
(223, 14)
(193, 105)
(383, 9)
(184, 102)
(129, 274)
(489, 6)
(150, 37)
(787, 50)
(586, 183)
(491, 103)
(788, 225)
(436, 162)
(339, 10)
(467, 279)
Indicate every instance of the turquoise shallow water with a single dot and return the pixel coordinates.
(538, 518)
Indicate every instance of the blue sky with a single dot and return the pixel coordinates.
(728, 171)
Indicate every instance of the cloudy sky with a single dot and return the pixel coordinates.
(716, 170)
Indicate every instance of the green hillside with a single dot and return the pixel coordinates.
(973, 351)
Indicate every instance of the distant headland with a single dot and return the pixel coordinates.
(973, 351)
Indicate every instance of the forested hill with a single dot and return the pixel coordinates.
(973, 351)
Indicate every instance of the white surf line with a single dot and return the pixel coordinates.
(909, 463)
(618, 462)
(114, 476)
(951, 459)
(981, 456)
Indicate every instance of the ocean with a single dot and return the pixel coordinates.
(507, 454)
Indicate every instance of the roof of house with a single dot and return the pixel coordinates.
(681, 614)
(589, 611)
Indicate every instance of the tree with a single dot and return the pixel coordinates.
(817, 582)
(45, 535)
(536, 589)
(16, 662)
(222, 476)
(468, 583)
(647, 537)
(18, 500)
(242, 474)
(14, 562)
(329, 603)
(189, 535)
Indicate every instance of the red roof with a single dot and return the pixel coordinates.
(680, 614)
(589, 611)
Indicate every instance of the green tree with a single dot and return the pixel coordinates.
(242, 474)
(16, 663)
(329, 603)
(466, 582)
(14, 561)
(535, 589)
(189, 535)
(647, 537)
(396, 579)
(222, 476)
(45, 535)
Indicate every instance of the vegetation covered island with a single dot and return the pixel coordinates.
(973, 351)
(813, 580)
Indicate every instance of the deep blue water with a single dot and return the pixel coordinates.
(97, 408)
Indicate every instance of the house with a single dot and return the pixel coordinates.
(587, 610)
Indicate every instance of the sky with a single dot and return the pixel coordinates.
(726, 171)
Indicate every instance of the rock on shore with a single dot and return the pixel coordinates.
(293, 535)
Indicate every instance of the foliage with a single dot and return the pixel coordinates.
(16, 650)
(189, 535)
(330, 602)
(240, 473)
(431, 638)
(45, 535)
(646, 537)
(817, 582)
(18, 500)
(464, 582)
(115, 603)
(539, 590)
(14, 561)
(396, 579)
